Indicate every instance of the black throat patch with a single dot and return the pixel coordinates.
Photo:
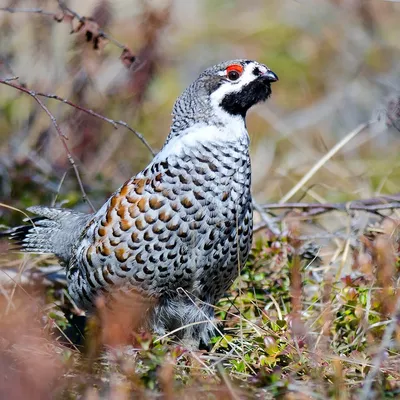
(239, 102)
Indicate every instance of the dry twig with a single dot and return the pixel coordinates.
(94, 114)
(66, 10)
(12, 10)
(62, 137)
(372, 205)
(267, 221)
(86, 25)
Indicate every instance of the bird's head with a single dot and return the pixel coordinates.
(237, 85)
(231, 86)
(221, 96)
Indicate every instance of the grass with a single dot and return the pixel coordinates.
(290, 329)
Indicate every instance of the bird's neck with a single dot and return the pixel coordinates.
(199, 113)
(216, 127)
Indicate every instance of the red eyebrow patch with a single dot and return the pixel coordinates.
(234, 67)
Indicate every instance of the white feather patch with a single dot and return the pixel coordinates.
(233, 129)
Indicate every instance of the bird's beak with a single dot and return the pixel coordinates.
(271, 76)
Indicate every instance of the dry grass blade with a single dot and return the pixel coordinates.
(324, 160)
(367, 393)
(18, 210)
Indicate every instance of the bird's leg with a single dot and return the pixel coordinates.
(190, 321)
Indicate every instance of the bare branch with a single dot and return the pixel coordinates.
(27, 10)
(372, 205)
(13, 78)
(62, 137)
(97, 115)
(267, 221)
(85, 24)
(81, 19)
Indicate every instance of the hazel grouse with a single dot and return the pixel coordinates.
(181, 229)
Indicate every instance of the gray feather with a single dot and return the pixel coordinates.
(55, 231)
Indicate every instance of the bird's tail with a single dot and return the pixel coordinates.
(54, 231)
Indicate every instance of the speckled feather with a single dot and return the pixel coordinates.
(178, 224)
(181, 229)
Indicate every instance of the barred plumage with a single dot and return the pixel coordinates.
(181, 229)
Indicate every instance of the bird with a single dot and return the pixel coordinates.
(181, 229)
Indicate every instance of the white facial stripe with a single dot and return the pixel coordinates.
(235, 86)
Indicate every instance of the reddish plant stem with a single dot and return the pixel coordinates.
(97, 115)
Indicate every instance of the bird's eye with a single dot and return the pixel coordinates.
(233, 75)
(234, 71)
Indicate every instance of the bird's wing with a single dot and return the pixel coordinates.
(146, 236)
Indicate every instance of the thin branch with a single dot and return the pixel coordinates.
(59, 188)
(127, 57)
(97, 115)
(81, 19)
(69, 15)
(13, 78)
(267, 221)
(372, 205)
(27, 10)
(59, 132)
